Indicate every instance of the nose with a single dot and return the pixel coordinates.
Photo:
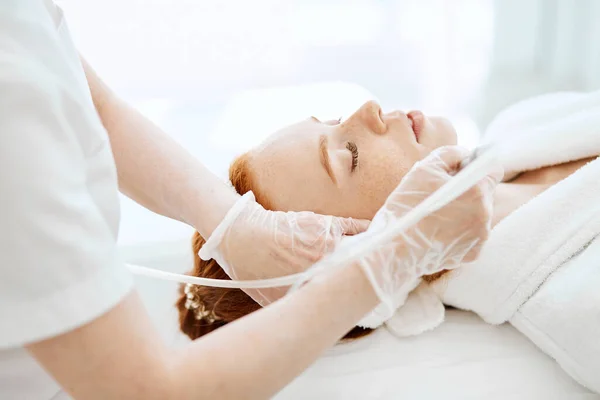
(369, 115)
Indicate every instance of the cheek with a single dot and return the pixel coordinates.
(440, 132)
(301, 192)
(380, 180)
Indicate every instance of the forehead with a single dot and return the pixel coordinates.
(287, 167)
(294, 145)
(300, 133)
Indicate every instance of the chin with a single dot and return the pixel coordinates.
(438, 132)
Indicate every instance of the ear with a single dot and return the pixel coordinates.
(422, 311)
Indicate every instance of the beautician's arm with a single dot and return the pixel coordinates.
(154, 170)
(121, 356)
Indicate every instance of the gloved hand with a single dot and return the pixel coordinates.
(443, 240)
(253, 243)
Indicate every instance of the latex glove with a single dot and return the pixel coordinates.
(253, 243)
(443, 240)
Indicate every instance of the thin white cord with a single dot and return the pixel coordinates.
(220, 283)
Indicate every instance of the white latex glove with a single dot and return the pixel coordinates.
(253, 243)
(443, 240)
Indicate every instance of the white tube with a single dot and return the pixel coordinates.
(220, 283)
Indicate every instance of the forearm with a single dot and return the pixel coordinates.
(120, 354)
(154, 170)
(257, 356)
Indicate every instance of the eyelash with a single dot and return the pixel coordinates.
(354, 150)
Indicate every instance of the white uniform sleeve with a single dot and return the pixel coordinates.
(59, 266)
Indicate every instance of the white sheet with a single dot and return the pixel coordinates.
(465, 358)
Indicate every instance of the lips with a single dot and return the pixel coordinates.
(417, 120)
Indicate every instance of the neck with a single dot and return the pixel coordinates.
(512, 195)
(552, 174)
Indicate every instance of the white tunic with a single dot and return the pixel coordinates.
(59, 206)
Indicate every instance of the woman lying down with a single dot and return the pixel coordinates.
(539, 270)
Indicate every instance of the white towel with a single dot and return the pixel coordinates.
(563, 317)
(547, 130)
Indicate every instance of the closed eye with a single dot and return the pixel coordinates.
(354, 150)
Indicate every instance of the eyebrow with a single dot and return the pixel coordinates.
(324, 157)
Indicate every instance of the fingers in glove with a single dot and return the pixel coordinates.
(352, 226)
(474, 251)
(448, 158)
(493, 178)
(482, 194)
(342, 227)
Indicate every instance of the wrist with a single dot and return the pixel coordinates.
(209, 250)
(207, 211)
(350, 286)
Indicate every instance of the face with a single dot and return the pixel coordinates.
(345, 168)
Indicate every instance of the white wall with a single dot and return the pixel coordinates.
(541, 46)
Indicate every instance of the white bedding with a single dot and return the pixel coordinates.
(465, 358)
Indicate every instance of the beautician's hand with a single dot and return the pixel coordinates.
(443, 240)
(253, 243)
